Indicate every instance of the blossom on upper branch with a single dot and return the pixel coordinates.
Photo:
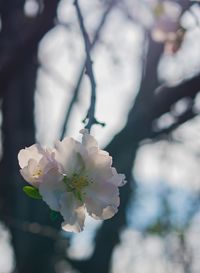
(74, 178)
(166, 27)
(166, 20)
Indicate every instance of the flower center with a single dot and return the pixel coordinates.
(76, 184)
(37, 173)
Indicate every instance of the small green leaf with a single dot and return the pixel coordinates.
(54, 215)
(32, 192)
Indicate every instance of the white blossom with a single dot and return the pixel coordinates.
(35, 163)
(74, 178)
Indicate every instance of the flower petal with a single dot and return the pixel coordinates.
(51, 189)
(66, 154)
(35, 152)
(28, 171)
(26, 175)
(102, 200)
(73, 213)
(98, 166)
(88, 141)
(117, 179)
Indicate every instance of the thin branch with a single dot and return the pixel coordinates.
(166, 96)
(188, 115)
(148, 110)
(89, 70)
(80, 77)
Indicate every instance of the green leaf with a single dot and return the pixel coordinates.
(32, 192)
(54, 215)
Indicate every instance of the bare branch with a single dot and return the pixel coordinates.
(188, 115)
(89, 70)
(81, 73)
(166, 96)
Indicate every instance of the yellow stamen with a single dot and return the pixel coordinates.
(37, 173)
(76, 184)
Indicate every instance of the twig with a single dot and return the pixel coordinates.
(89, 71)
(77, 86)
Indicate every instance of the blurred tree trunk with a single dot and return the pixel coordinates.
(19, 39)
(18, 132)
(123, 148)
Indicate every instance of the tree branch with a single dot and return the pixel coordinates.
(81, 73)
(188, 115)
(89, 71)
(166, 96)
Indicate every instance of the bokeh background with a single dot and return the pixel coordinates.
(146, 60)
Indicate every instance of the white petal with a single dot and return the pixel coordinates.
(32, 165)
(73, 213)
(66, 154)
(102, 200)
(46, 164)
(51, 189)
(88, 141)
(28, 171)
(98, 166)
(26, 175)
(108, 212)
(117, 178)
(34, 152)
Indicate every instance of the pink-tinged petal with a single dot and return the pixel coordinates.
(26, 175)
(32, 166)
(73, 213)
(117, 178)
(66, 154)
(51, 189)
(102, 200)
(98, 166)
(46, 164)
(89, 141)
(35, 152)
(108, 212)
(102, 160)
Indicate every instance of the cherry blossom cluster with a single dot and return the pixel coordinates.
(74, 178)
